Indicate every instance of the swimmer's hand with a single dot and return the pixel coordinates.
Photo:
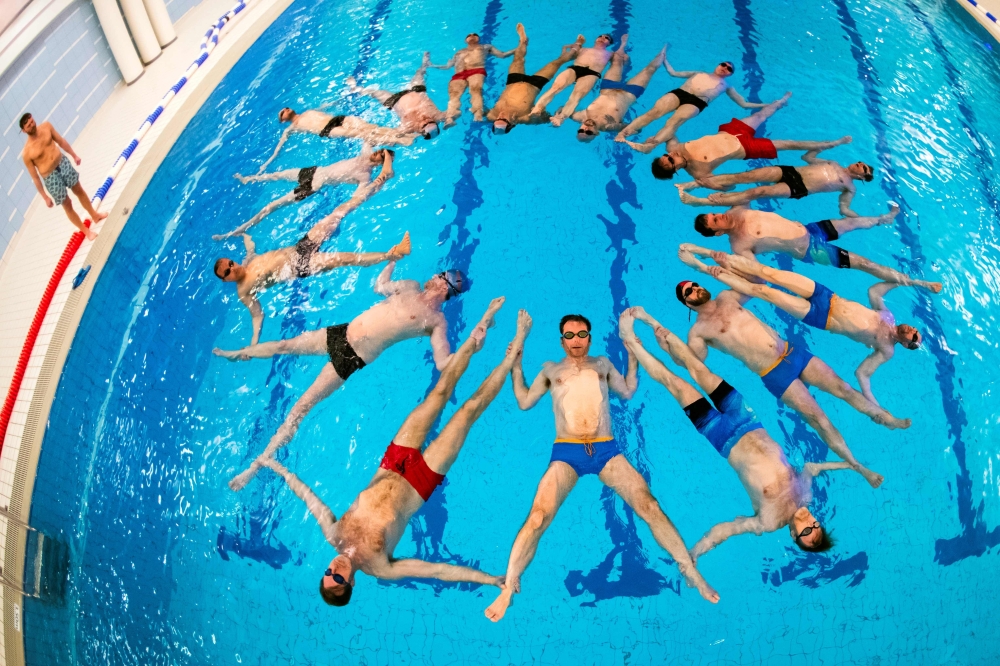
(720, 258)
(716, 271)
(48, 201)
(237, 355)
(558, 119)
(219, 237)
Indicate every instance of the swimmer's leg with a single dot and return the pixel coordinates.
(310, 343)
(476, 96)
(440, 454)
(819, 374)
(617, 67)
(666, 104)
(890, 275)
(287, 174)
(778, 191)
(815, 146)
(413, 432)
(757, 118)
(845, 225)
(683, 393)
(75, 220)
(564, 80)
(517, 64)
(646, 73)
(374, 92)
(799, 285)
(797, 397)
(420, 76)
(81, 195)
(679, 117)
(455, 89)
(556, 484)
(322, 262)
(327, 382)
(620, 476)
(264, 212)
(682, 355)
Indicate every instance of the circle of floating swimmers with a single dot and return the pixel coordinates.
(366, 535)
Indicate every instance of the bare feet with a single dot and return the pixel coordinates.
(874, 479)
(400, 249)
(557, 120)
(218, 237)
(890, 216)
(498, 608)
(685, 197)
(844, 140)
(99, 217)
(784, 100)
(89, 235)
(242, 179)
(522, 35)
(240, 481)
(933, 287)
(891, 422)
(237, 355)
(695, 580)
(479, 332)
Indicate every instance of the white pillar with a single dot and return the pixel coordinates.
(162, 26)
(141, 29)
(118, 39)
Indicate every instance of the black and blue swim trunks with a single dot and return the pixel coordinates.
(819, 307)
(821, 250)
(726, 423)
(585, 457)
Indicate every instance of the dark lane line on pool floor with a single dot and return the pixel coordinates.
(635, 577)
(974, 538)
(254, 535)
(427, 525)
(810, 569)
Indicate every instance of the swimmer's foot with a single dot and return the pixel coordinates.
(557, 120)
(891, 422)
(427, 58)
(100, 217)
(522, 35)
(479, 332)
(498, 608)
(874, 479)
(236, 355)
(89, 235)
(695, 580)
(516, 346)
(400, 249)
(844, 140)
(890, 216)
(240, 481)
(784, 100)
(241, 178)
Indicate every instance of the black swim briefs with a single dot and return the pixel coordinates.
(336, 121)
(531, 79)
(394, 99)
(304, 250)
(687, 98)
(342, 355)
(305, 187)
(581, 71)
(790, 176)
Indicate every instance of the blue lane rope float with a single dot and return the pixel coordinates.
(982, 10)
(208, 44)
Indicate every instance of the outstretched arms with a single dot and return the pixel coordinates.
(440, 348)
(877, 292)
(256, 315)
(527, 397)
(447, 65)
(815, 469)
(738, 98)
(683, 74)
(320, 511)
(277, 149)
(500, 54)
(386, 286)
(865, 371)
(438, 570)
(845, 199)
(722, 531)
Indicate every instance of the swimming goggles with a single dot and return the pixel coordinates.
(690, 288)
(809, 530)
(452, 289)
(229, 270)
(569, 335)
(586, 131)
(337, 578)
(727, 66)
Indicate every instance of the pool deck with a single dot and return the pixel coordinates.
(32, 255)
(982, 11)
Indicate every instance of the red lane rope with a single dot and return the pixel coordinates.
(36, 324)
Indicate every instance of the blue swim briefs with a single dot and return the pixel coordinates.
(821, 250)
(585, 458)
(786, 370)
(726, 423)
(819, 307)
(627, 87)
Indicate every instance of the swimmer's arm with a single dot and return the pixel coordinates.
(740, 101)
(812, 157)
(447, 65)
(500, 54)
(440, 348)
(320, 511)
(722, 531)
(697, 345)
(683, 74)
(865, 371)
(386, 286)
(528, 397)
(250, 246)
(386, 173)
(846, 197)
(877, 292)
(64, 144)
(33, 172)
(815, 469)
(256, 315)
(579, 116)
(448, 572)
(277, 149)
(624, 387)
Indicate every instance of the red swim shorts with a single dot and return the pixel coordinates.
(466, 73)
(409, 464)
(747, 136)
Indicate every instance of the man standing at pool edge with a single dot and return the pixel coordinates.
(43, 158)
(585, 445)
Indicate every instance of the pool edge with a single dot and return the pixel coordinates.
(65, 323)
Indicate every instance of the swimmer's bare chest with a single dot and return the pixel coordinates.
(706, 86)
(378, 517)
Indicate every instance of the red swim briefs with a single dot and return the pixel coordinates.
(466, 73)
(747, 136)
(410, 464)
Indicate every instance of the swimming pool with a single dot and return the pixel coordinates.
(169, 566)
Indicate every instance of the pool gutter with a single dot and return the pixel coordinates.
(987, 12)
(23, 442)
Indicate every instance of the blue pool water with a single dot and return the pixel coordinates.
(168, 566)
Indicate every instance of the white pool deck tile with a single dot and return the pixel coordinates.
(32, 255)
